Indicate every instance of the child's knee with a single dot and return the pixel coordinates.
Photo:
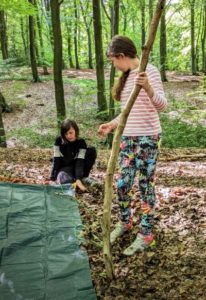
(63, 178)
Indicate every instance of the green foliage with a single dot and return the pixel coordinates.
(178, 134)
(22, 7)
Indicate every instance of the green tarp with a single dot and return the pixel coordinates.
(40, 253)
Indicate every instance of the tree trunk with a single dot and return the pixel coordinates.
(101, 99)
(47, 12)
(87, 25)
(41, 42)
(3, 36)
(3, 105)
(32, 48)
(163, 47)
(150, 10)
(90, 64)
(116, 143)
(57, 63)
(114, 30)
(143, 35)
(2, 131)
(150, 20)
(203, 40)
(26, 50)
(75, 35)
(69, 43)
(192, 22)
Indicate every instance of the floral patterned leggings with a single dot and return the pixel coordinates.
(138, 154)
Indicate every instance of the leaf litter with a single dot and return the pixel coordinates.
(176, 268)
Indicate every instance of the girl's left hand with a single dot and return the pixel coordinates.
(142, 80)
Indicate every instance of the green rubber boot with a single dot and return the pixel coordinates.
(140, 244)
(118, 231)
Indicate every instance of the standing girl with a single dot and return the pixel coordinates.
(140, 140)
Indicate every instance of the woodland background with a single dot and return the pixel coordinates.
(52, 66)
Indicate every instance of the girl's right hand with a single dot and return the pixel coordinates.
(105, 129)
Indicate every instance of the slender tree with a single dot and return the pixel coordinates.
(87, 22)
(143, 35)
(101, 99)
(125, 17)
(114, 30)
(2, 131)
(57, 63)
(24, 40)
(41, 42)
(151, 4)
(150, 10)
(114, 19)
(5, 107)
(75, 35)
(3, 36)
(163, 47)
(32, 47)
(45, 5)
(203, 39)
(192, 32)
(69, 41)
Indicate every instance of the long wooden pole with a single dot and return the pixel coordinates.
(116, 142)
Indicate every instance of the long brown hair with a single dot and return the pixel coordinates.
(121, 45)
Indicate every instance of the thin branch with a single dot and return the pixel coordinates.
(105, 11)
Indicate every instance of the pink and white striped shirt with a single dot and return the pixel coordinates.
(143, 118)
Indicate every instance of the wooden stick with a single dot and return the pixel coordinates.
(116, 142)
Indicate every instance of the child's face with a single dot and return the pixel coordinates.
(120, 62)
(71, 135)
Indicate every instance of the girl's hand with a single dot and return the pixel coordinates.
(105, 128)
(142, 80)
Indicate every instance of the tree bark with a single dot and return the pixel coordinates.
(47, 12)
(69, 43)
(151, 4)
(26, 50)
(3, 36)
(57, 63)
(203, 39)
(163, 47)
(192, 23)
(114, 31)
(32, 48)
(87, 25)
(116, 143)
(2, 131)
(3, 105)
(41, 42)
(101, 99)
(150, 10)
(143, 35)
(75, 35)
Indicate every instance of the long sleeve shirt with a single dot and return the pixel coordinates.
(69, 154)
(143, 119)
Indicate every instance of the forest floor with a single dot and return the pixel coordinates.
(175, 269)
